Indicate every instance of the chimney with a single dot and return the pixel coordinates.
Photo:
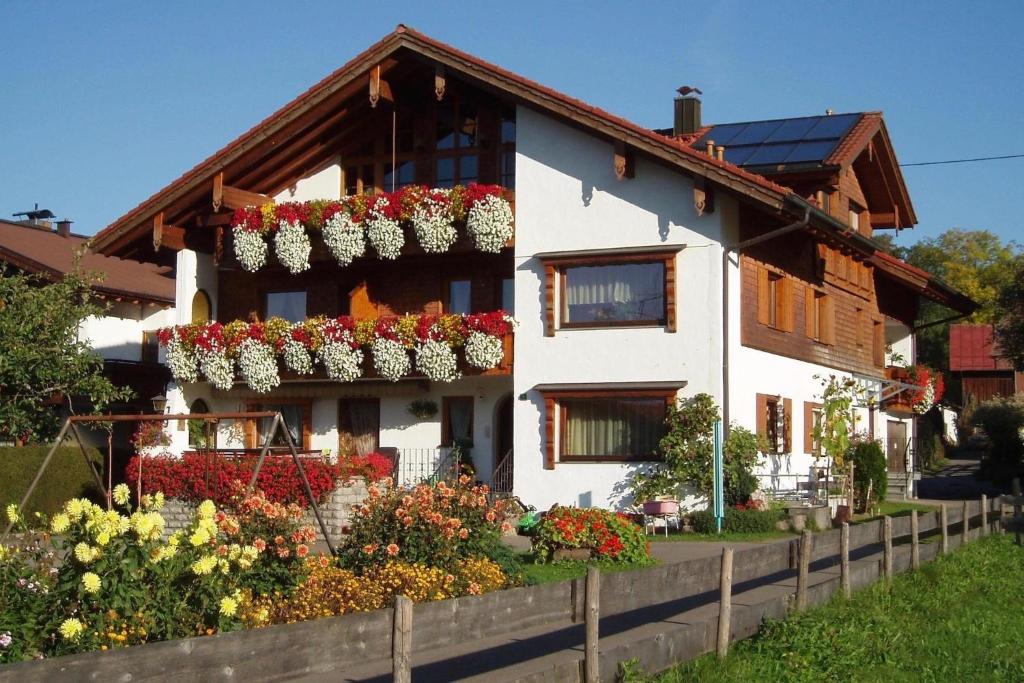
(64, 227)
(687, 115)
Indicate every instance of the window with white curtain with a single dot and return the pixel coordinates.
(611, 428)
(294, 417)
(613, 294)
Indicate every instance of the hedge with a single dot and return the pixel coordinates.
(738, 521)
(67, 476)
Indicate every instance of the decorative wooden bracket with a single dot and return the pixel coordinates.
(624, 166)
(439, 82)
(169, 236)
(233, 198)
(703, 197)
(379, 88)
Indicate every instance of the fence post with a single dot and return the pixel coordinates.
(592, 614)
(801, 577)
(844, 559)
(915, 543)
(984, 515)
(725, 604)
(944, 523)
(965, 530)
(887, 540)
(401, 641)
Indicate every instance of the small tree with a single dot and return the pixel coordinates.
(1010, 317)
(833, 432)
(42, 357)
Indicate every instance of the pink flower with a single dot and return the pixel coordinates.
(260, 544)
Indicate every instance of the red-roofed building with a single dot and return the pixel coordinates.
(975, 359)
(642, 269)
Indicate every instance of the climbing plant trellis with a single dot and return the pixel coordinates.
(278, 426)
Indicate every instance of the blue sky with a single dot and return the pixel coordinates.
(104, 103)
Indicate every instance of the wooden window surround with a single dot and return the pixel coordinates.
(347, 437)
(819, 316)
(447, 403)
(558, 406)
(775, 422)
(878, 343)
(306, 407)
(774, 299)
(555, 287)
(812, 413)
(150, 348)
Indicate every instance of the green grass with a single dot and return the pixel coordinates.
(563, 571)
(956, 619)
(731, 536)
(893, 508)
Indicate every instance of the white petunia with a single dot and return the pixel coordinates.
(385, 234)
(437, 361)
(345, 238)
(342, 362)
(484, 351)
(489, 222)
(292, 245)
(250, 249)
(218, 369)
(391, 359)
(182, 361)
(258, 366)
(434, 225)
(297, 358)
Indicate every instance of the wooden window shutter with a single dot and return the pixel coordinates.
(549, 300)
(670, 292)
(828, 320)
(764, 302)
(549, 433)
(786, 317)
(761, 412)
(809, 311)
(787, 417)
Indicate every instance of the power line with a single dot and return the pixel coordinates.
(964, 161)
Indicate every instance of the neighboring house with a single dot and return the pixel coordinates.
(975, 360)
(140, 297)
(624, 278)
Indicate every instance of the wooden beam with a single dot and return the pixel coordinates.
(158, 230)
(703, 197)
(624, 163)
(170, 236)
(439, 82)
(218, 190)
(235, 198)
(379, 88)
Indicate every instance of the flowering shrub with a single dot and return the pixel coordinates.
(150, 434)
(120, 583)
(608, 535)
(436, 525)
(932, 387)
(185, 477)
(292, 245)
(338, 344)
(346, 224)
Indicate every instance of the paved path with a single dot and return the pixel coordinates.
(956, 481)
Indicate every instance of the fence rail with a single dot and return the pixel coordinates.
(545, 621)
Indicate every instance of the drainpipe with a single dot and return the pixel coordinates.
(739, 246)
(950, 319)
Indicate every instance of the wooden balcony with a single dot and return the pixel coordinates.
(898, 404)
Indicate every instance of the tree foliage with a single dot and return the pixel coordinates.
(836, 427)
(42, 357)
(1009, 323)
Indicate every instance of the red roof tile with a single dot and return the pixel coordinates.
(853, 142)
(42, 251)
(973, 347)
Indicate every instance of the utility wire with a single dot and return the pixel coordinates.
(963, 161)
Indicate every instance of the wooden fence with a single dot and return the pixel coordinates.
(389, 639)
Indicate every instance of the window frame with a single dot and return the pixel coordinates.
(342, 404)
(783, 444)
(149, 352)
(775, 294)
(446, 291)
(266, 301)
(252, 426)
(447, 440)
(812, 446)
(555, 283)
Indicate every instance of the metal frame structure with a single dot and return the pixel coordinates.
(71, 423)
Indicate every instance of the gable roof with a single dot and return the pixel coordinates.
(974, 347)
(42, 251)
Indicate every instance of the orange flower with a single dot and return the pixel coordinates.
(392, 549)
(283, 552)
(370, 548)
(491, 516)
(301, 550)
(407, 521)
(279, 540)
(260, 544)
(222, 550)
(463, 533)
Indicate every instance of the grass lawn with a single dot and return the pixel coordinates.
(956, 619)
(893, 508)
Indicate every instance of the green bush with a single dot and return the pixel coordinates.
(738, 521)
(67, 476)
(870, 469)
(1002, 418)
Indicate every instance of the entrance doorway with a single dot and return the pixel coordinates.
(503, 443)
(896, 445)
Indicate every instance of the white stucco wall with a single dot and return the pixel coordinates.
(118, 334)
(567, 199)
(324, 183)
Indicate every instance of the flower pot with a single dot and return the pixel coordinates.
(661, 507)
(571, 555)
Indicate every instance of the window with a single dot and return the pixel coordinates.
(507, 293)
(774, 299)
(456, 420)
(507, 150)
(197, 432)
(297, 415)
(456, 142)
(774, 422)
(820, 316)
(812, 428)
(611, 428)
(855, 216)
(458, 296)
(406, 175)
(613, 294)
(202, 310)
(150, 348)
(358, 426)
(359, 179)
(288, 305)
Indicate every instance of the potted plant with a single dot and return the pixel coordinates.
(422, 408)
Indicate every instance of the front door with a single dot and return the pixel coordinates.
(503, 445)
(896, 446)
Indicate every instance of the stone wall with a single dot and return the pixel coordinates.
(336, 511)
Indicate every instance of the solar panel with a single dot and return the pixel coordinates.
(792, 130)
(754, 133)
(723, 135)
(770, 154)
(783, 141)
(739, 155)
(811, 151)
(832, 126)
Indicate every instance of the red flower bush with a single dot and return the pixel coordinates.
(608, 535)
(196, 476)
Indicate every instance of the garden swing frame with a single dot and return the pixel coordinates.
(278, 425)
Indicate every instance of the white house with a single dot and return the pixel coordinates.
(646, 266)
